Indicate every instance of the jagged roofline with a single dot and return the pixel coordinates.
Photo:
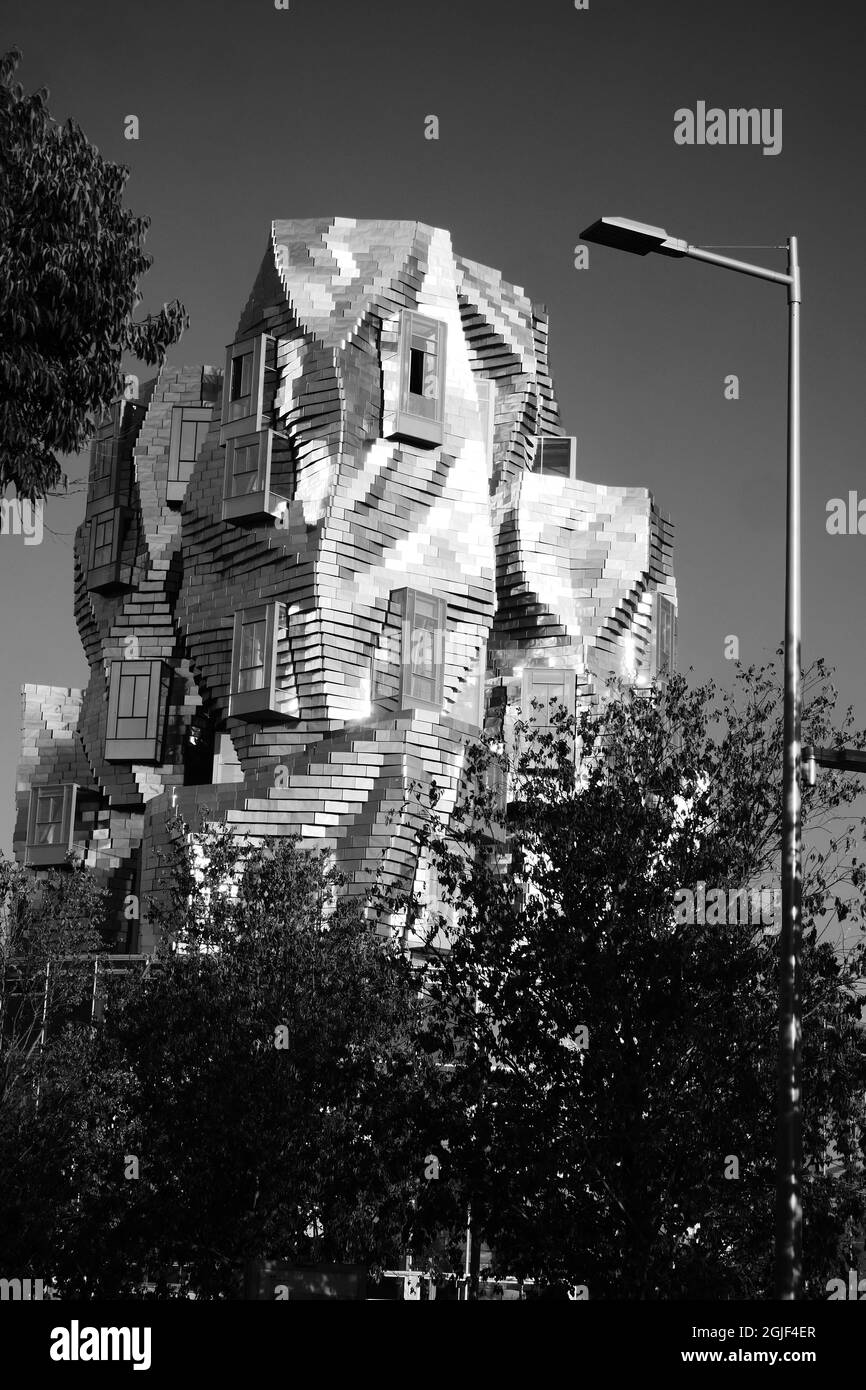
(334, 270)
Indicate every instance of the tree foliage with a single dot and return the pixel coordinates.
(49, 942)
(71, 259)
(594, 1074)
(263, 1074)
(604, 1157)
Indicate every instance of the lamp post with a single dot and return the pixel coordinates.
(624, 235)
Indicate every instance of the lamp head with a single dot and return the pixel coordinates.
(622, 234)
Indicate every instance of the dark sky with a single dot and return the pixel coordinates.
(549, 117)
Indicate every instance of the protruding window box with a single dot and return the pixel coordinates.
(420, 414)
(189, 428)
(104, 455)
(553, 689)
(137, 708)
(257, 631)
(115, 432)
(105, 571)
(665, 636)
(248, 493)
(51, 824)
(423, 656)
(555, 457)
(103, 465)
(247, 362)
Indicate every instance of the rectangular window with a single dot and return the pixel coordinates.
(103, 539)
(251, 667)
(49, 818)
(104, 455)
(137, 707)
(553, 688)
(416, 371)
(243, 397)
(242, 376)
(248, 494)
(132, 704)
(243, 468)
(665, 635)
(423, 390)
(189, 428)
(424, 626)
(50, 824)
(257, 633)
(555, 458)
(102, 476)
(421, 413)
(107, 535)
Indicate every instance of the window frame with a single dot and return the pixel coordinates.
(99, 522)
(237, 418)
(537, 464)
(107, 575)
(55, 853)
(418, 690)
(664, 610)
(418, 426)
(568, 679)
(107, 433)
(182, 415)
(143, 747)
(261, 502)
(261, 700)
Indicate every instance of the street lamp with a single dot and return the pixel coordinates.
(637, 237)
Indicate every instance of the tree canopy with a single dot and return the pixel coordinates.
(589, 1066)
(618, 1060)
(254, 1093)
(71, 259)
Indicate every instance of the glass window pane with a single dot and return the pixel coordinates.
(245, 470)
(125, 695)
(421, 366)
(423, 653)
(103, 466)
(49, 807)
(555, 457)
(416, 371)
(49, 818)
(665, 635)
(141, 696)
(187, 441)
(242, 376)
(251, 671)
(247, 374)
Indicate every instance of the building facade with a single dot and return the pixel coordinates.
(303, 581)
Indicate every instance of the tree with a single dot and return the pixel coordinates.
(70, 261)
(616, 1060)
(49, 943)
(256, 1092)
